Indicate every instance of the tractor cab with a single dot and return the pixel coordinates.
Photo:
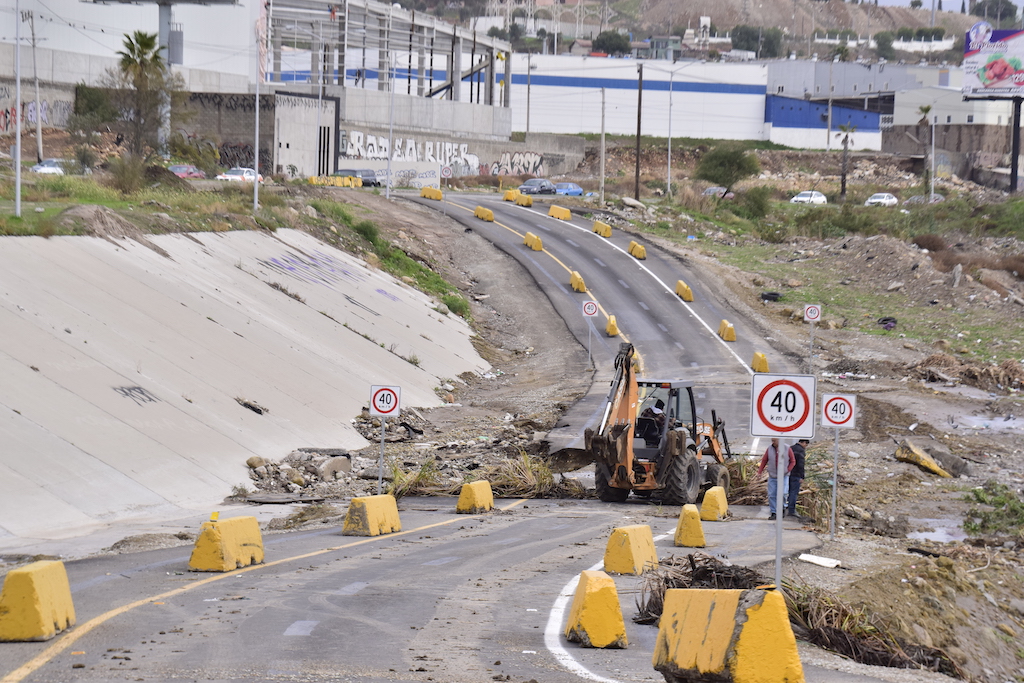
(660, 410)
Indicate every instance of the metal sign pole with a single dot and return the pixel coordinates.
(810, 354)
(779, 500)
(835, 488)
(590, 331)
(380, 461)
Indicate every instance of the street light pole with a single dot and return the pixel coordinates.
(934, 120)
(17, 108)
(828, 130)
(668, 180)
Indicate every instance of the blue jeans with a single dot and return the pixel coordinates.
(773, 491)
(793, 494)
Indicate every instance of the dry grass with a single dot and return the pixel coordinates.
(529, 477)
(947, 259)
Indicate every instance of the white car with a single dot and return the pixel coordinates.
(809, 197)
(241, 175)
(882, 199)
(50, 167)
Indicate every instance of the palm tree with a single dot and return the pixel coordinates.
(924, 110)
(141, 55)
(846, 133)
(145, 73)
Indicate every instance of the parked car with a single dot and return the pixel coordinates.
(809, 197)
(241, 175)
(186, 171)
(538, 186)
(368, 176)
(923, 199)
(882, 199)
(720, 192)
(51, 166)
(569, 189)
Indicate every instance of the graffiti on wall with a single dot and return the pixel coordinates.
(361, 145)
(518, 163)
(233, 103)
(54, 113)
(240, 154)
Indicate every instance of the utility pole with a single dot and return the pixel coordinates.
(17, 109)
(639, 116)
(828, 133)
(31, 18)
(602, 146)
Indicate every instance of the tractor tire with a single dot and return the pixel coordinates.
(605, 491)
(718, 475)
(682, 485)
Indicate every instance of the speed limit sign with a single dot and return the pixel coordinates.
(839, 411)
(812, 313)
(781, 405)
(385, 401)
(446, 171)
(589, 309)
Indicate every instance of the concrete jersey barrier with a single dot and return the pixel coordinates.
(35, 603)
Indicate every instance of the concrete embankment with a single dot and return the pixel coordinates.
(139, 377)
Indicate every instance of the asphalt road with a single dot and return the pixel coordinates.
(675, 339)
(452, 598)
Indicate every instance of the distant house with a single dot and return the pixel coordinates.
(666, 47)
(581, 47)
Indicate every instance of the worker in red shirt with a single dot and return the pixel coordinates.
(770, 460)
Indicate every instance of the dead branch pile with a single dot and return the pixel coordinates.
(745, 487)
(946, 368)
(697, 570)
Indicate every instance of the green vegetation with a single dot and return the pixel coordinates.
(612, 43)
(726, 165)
(765, 42)
(997, 509)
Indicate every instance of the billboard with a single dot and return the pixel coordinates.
(993, 62)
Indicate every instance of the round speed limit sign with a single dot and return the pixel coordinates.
(839, 411)
(812, 313)
(385, 401)
(781, 405)
(590, 308)
(446, 171)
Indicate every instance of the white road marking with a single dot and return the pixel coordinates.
(663, 328)
(623, 283)
(600, 263)
(351, 589)
(301, 628)
(644, 306)
(754, 446)
(679, 344)
(439, 561)
(543, 227)
(573, 244)
(553, 630)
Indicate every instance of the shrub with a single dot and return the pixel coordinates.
(757, 201)
(368, 231)
(126, 172)
(456, 304)
(930, 242)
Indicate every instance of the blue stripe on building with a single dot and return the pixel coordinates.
(631, 84)
(789, 112)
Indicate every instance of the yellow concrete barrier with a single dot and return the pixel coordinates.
(726, 331)
(484, 214)
(533, 242)
(637, 250)
(630, 550)
(595, 618)
(35, 603)
(576, 280)
(689, 532)
(683, 291)
(612, 328)
(475, 497)
(602, 229)
(431, 193)
(760, 363)
(510, 195)
(560, 212)
(741, 636)
(908, 452)
(372, 516)
(524, 200)
(714, 507)
(227, 544)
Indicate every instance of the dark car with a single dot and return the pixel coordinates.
(186, 171)
(538, 186)
(368, 176)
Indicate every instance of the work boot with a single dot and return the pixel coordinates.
(771, 516)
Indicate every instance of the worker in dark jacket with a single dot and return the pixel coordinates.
(796, 475)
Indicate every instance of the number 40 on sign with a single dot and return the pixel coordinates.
(781, 405)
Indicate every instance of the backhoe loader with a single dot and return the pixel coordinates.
(646, 444)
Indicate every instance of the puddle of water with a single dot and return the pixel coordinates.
(942, 530)
(1014, 425)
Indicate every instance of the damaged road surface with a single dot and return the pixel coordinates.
(452, 598)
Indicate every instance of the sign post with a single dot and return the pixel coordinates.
(384, 402)
(589, 311)
(839, 411)
(812, 314)
(780, 406)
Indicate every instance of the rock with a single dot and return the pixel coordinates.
(1007, 629)
(906, 345)
(261, 471)
(893, 286)
(294, 477)
(255, 461)
(953, 464)
(794, 283)
(895, 526)
(857, 513)
(309, 210)
(633, 204)
(1017, 605)
(940, 345)
(440, 308)
(958, 272)
(297, 456)
(331, 468)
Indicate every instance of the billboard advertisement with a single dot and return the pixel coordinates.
(993, 62)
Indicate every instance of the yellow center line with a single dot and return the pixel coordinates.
(636, 353)
(71, 637)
